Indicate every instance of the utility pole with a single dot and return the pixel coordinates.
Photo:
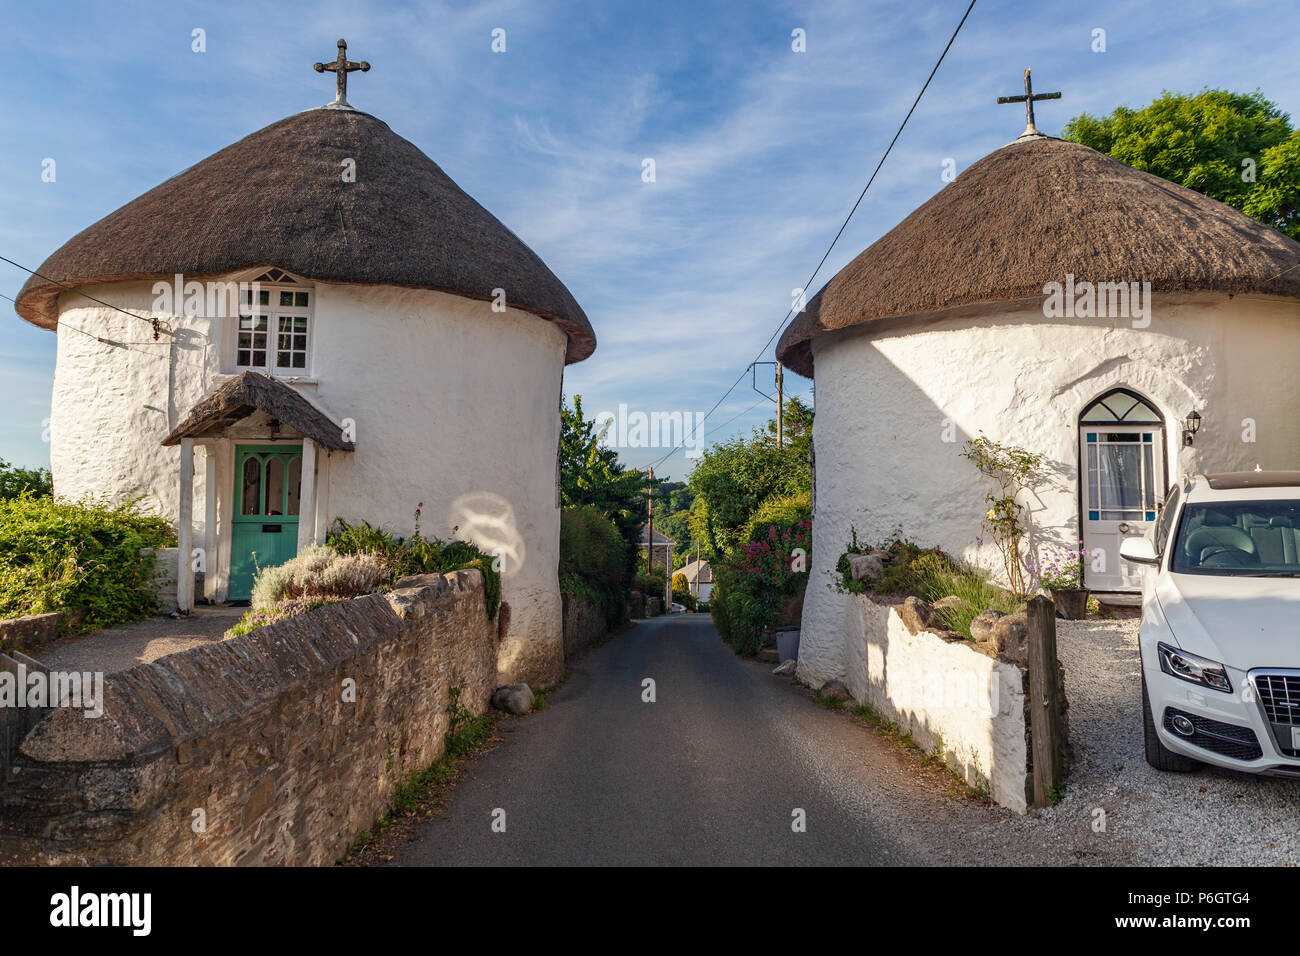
(780, 409)
(697, 569)
(650, 526)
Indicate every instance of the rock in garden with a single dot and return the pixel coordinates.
(916, 614)
(981, 628)
(785, 668)
(1010, 633)
(865, 567)
(884, 556)
(944, 603)
(834, 690)
(514, 698)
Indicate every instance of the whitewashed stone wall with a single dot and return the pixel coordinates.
(945, 694)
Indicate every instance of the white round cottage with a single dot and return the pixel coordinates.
(342, 333)
(1056, 300)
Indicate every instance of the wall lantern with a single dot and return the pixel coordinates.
(1191, 425)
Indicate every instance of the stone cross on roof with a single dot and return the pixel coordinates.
(1028, 99)
(341, 67)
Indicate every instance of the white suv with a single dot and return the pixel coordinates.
(1220, 635)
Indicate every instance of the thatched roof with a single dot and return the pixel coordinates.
(1028, 214)
(250, 392)
(277, 199)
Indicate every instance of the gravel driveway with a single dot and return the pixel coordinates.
(1210, 817)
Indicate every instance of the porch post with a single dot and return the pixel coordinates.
(209, 519)
(307, 496)
(185, 530)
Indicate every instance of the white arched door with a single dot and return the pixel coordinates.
(1122, 478)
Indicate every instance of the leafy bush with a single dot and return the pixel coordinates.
(403, 557)
(591, 546)
(78, 557)
(783, 511)
(651, 585)
(593, 560)
(318, 573)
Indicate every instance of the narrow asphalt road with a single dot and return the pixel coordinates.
(711, 772)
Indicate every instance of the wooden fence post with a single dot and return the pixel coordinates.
(1045, 725)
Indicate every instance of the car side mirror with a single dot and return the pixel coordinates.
(1139, 550)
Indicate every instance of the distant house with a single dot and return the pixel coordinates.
(394, 346)
(663, 548)
(699, 578)
(661, 553)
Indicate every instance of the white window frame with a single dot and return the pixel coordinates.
(274, 312)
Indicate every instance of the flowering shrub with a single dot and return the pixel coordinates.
(749, 587)
(1061, 569)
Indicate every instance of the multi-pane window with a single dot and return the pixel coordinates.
(274, 333)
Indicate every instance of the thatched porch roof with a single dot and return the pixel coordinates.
(250, 392)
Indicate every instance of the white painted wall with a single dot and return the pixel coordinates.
(945, 694)
(455, 406)
(883, 402)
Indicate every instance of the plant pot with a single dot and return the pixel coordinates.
(1071, 603)
(787, 642)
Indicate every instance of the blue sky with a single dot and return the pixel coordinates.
(759, 151)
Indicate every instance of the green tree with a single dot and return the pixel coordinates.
(1238, 148)
(591, 474)
(733, 479)
(15, 480)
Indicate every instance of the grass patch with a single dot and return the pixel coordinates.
(466, 737)
(933, 759)
(540, 697)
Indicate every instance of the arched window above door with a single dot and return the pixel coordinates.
(1120, 407)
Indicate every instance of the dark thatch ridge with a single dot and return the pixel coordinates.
(1028, 214)
(277, 198)
(249, 392)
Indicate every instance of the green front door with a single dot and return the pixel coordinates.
(267, 482)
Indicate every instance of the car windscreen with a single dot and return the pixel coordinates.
(1239, 537)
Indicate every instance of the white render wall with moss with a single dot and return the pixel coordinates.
(889, 395)
(456, 407)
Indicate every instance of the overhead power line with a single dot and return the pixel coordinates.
(844, 225)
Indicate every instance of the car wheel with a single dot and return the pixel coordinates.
(1158, 755)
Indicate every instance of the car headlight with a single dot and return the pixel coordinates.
(1195, 670)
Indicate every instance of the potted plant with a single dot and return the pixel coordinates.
(1061, 574)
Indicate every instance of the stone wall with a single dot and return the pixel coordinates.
(275, 748)
(947, 693)
(584, 623)
(30, 633)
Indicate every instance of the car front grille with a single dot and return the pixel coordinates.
(1227, 740)
(1279, 698)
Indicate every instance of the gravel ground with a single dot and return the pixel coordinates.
(1209, 817)
(120, 648)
